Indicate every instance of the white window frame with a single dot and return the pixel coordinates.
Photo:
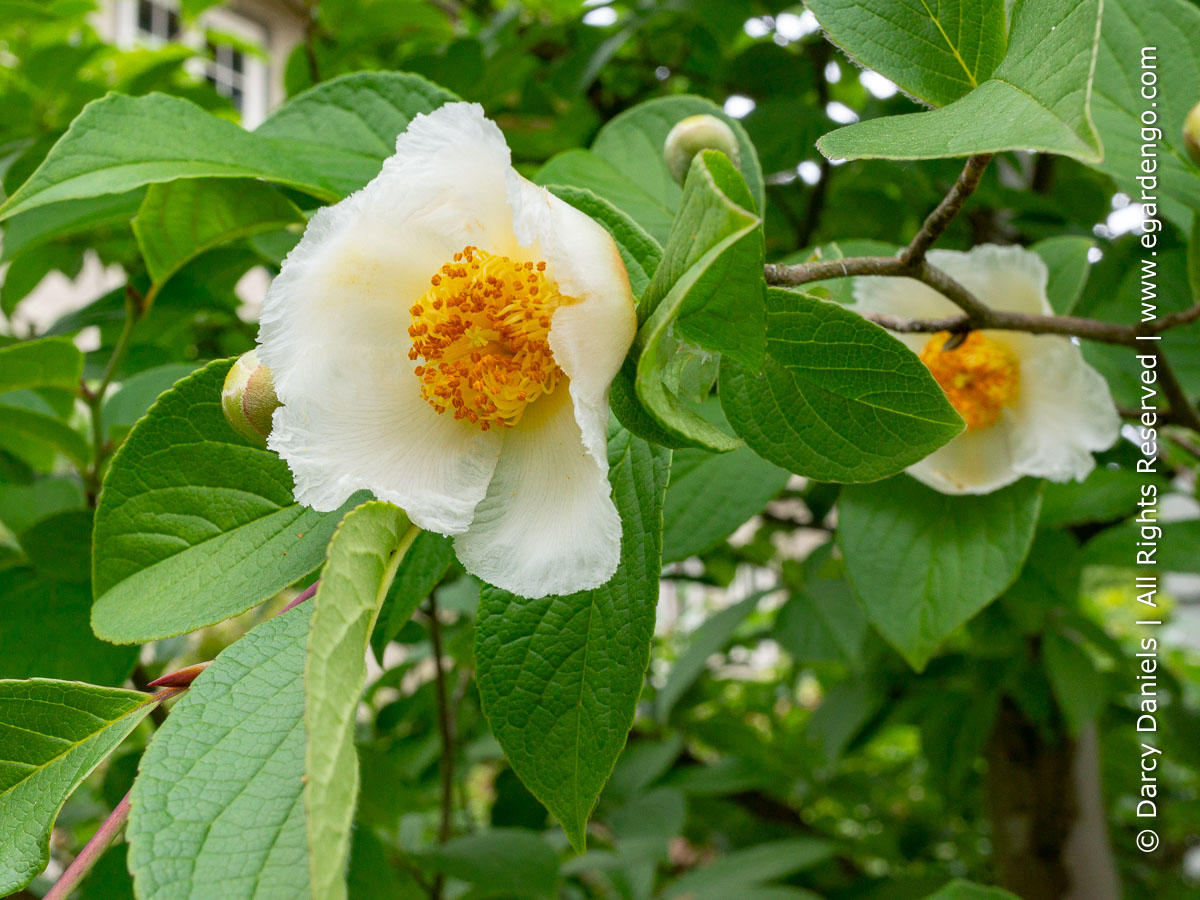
(256, 72)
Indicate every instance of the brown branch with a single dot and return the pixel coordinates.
(937, 221)
(1178, 404)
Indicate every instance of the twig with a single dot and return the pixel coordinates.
(937, 221)
(1181, 408)
(307, 594)
(92, 851)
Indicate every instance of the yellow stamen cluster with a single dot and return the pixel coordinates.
(980, 376)
(482, 334)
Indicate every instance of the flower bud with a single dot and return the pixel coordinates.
(248, 398)
(1191, 134)
(696, 133)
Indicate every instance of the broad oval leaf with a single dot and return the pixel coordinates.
(505, 862)
(194, 524)
(217, 809)
(50, 362)
(327, 141)
(363, 557)
(923, 563)
(180, 220)
(559, 677)
(936, 51)
(1037, 99)
(52, 735)
(839, 398)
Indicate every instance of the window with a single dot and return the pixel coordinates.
(226, 71)
(157, 21)
(231, 48)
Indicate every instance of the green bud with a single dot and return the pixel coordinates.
(248, 398)
(1191, 134)
(696, 133)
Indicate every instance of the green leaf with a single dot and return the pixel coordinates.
(839, 399)
(194, 524)
(559, 677)
(937, 52)
(345, 127)
(966, 890)
(711, 494)
(327, 141)
(1037, 98)
(821, 620)
(632, 143)
(136, 394)
(425, 563)
(734, 874)
(180, 220)
(22, 505)
(711, 637)
(1174, 551)
(218, 805)
(1066, 259)
(922, 563)
(30, 435)
(48, 634)
(1171, 30)
(584, 170)
(52, 735)
(363, 557)
(27, 271)
(46, 223)
(640, 253)
(1080, 690)
(705, 298)
(50, 362)
(500, 862)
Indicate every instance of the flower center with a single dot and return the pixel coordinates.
(482, 331)
(980, 376)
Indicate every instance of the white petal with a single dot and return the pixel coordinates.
(590, 337)
(975, 462)
(334, 328)
(1064, 413)
(1008, 278)
(392, 443)
(904, 297)
(548, 524)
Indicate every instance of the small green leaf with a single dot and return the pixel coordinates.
(26, 431)
(194, 524)
(363, 557)
(711, 637)
(180, 220)
(218, 805)
(705, 299)
(47, 223)
(1066, 259)
(711, 494)
(1037, 98)
(52, 735)
(1080, 690)
(559, 677)
(966, 890)
(937, 52)
(839, 399)
(737, 873)
(50, 362)
(923, 563)
(500, 862)
(584, 170)
(425, 563)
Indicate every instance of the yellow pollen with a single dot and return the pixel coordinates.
(980, 376)
(482, 333)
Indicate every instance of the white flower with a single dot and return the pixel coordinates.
(445, 338)
(1031, 403)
